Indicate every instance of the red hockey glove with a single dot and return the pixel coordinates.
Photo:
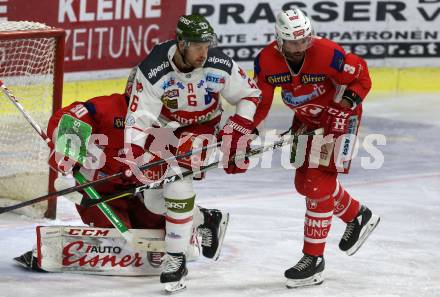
(335, 120)
(132, 159)
(236, 139)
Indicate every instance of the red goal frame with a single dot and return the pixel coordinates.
(59, 35)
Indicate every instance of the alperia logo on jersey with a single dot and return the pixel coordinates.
(154, 71)
(215, 60)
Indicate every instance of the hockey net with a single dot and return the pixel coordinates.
(31, 61)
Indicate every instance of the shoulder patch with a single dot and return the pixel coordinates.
(257, 67)
(118, 123)
(279, 78)
(156, 64)
(218, 60)
(338, 61)
(91, 108)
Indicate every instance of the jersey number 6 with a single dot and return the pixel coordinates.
(134, 103)
(192, 100)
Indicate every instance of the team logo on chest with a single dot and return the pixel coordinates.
(170, 99)
(312, 78)
(279, 79)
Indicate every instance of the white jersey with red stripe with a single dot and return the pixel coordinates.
(163, 96)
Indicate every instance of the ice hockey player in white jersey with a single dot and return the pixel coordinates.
(179, 85)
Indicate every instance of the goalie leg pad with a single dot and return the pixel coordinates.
(96, 251)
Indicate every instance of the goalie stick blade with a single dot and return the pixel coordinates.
(174, 287)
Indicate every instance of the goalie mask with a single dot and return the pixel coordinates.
(293, 29)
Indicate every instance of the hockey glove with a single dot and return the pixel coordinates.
(236, 138)
(351, 99)
(335, 120)
(133, 160)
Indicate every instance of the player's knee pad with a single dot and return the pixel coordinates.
(154, 201)
(315, 183)
(181, 189)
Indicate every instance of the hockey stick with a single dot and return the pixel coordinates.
(99, 181)
(256, 151)
(105, 209)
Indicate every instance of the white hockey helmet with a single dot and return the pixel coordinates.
(294, 25)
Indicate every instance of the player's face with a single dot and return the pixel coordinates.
(197, 53)
(294, 50)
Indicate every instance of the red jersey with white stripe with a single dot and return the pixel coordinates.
(326, 71)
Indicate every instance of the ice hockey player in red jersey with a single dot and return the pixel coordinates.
(106, 115)
(178, 86)
(324, 87)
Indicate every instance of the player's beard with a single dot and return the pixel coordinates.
(181, 62)
(294, 57)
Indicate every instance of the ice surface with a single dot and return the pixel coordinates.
(265, 232)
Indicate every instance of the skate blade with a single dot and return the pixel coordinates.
(369, 228)
(314, 280)
(223, 226)
(174, 287)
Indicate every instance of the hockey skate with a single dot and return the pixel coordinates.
(213, 232)
(358, 230)
(29, 261)
(307, 272)
(173, 275)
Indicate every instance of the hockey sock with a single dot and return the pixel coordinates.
(345, 206)
(179, 215)
(317, 224)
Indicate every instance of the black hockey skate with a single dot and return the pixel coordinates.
(213, 232)
(358, 230)
(307, 272)
(28, 261)
(173, 275)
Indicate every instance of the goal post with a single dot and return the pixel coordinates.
(31, 65)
